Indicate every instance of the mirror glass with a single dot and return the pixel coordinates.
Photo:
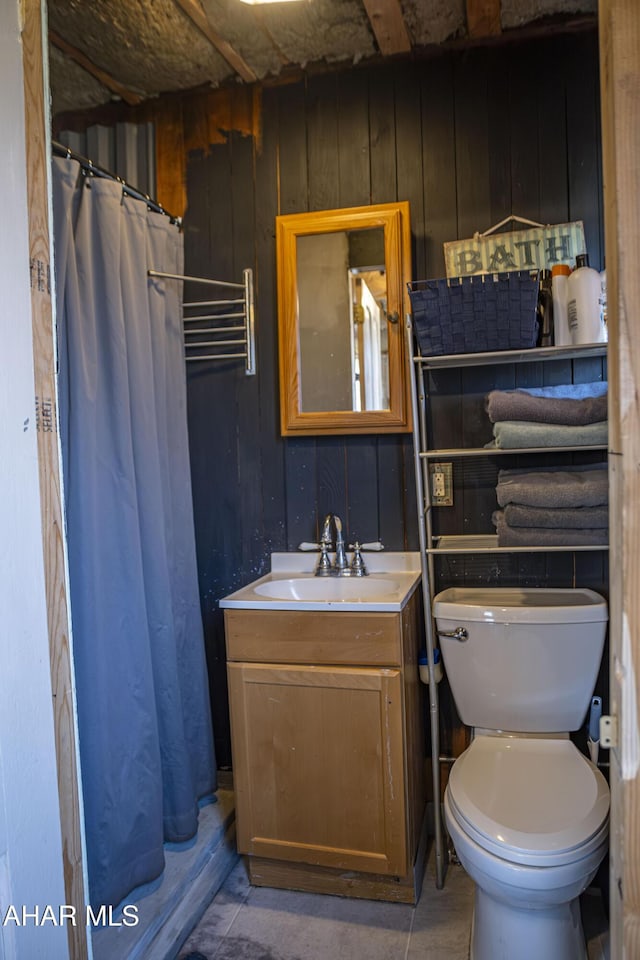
(341, 282)
(343, 366)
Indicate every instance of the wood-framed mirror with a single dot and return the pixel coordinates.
(342, 299)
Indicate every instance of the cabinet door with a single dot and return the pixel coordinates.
(319, 765)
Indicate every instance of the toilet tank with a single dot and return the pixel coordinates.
(531, 657)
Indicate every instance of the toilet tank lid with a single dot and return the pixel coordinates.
(520, 605)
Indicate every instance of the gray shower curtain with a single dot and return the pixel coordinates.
(146, 745)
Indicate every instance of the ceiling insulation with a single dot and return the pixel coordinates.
(134, 50)
(446, 20)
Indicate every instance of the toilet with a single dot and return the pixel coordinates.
(526, 811)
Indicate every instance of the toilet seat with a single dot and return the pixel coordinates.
(531, 801)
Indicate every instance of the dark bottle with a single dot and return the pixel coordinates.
(545, 310)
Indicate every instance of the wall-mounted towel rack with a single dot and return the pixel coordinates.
(217, 315)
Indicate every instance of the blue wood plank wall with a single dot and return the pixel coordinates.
(466, 137)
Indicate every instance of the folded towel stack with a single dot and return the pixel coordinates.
(570, 415)
(551, 506)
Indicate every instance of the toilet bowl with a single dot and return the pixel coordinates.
(526, 811)
(529, 821)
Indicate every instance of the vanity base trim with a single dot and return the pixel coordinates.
(284, 875)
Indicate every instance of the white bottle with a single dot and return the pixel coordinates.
(559, 276)
(583, 302)
(604, 329)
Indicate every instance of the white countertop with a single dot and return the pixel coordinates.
(401, 571)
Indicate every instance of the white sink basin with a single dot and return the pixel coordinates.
(291, 585)
(328, 589)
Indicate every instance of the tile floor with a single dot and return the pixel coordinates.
(257, 923)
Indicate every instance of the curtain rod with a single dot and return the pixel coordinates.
(90, 167)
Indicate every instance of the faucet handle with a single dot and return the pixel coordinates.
(323, 566)
(309, 546)
(367, 546)
(358, 567)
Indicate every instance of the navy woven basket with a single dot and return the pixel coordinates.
(487, 312)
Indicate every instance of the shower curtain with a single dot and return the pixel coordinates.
(146, 745)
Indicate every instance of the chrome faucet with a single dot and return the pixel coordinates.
(341, 562)
(341, 568)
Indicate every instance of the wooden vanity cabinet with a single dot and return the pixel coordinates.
(327, 730)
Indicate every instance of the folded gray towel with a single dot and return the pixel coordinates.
(568, 468)
(521, 405)
(545, 536)
(554, 488)
(515, 434)
(574, 391)
(574, 518)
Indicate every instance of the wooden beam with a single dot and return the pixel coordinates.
(388, 26)
(483, 19)
(195, 11)
(37, 155)
(83, 61)
(619, 26)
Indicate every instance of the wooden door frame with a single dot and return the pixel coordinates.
(38, 153)
(619, 26)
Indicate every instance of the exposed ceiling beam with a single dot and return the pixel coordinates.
(195, 11)
(388, 26)
(105, 78)
(483, 18)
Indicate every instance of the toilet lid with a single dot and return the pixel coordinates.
(528, 800)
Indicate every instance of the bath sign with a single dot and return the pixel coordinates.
(537, 248)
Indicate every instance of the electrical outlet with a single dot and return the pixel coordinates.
(441, 484)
